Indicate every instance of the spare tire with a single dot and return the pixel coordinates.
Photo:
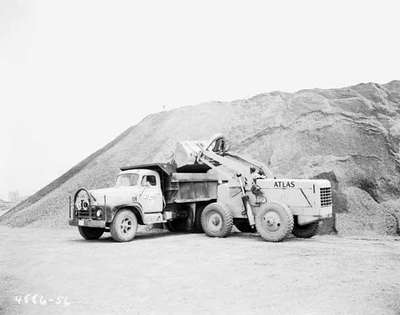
(216, 220)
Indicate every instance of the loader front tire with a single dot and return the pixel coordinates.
(274, 222)
(216, 220)
(305, 231)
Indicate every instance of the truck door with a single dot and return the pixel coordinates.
(151, 198)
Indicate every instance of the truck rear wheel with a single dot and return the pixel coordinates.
(178, 225)
(305, 231)
(216, 220)
(89, 233)
(124, 226)
(274, 222)
(197, 228)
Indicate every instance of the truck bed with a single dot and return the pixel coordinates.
(191, 187)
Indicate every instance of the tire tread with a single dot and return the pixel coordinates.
(289, 227)
(227, 218)
(113, 229)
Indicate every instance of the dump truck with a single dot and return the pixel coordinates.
(205, 188)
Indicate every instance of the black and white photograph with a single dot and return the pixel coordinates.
(199, 157)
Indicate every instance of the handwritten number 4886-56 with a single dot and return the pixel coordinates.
(41, 300)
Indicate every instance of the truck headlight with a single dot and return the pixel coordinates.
(99, 213)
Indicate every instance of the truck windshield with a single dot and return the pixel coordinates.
(129, 179)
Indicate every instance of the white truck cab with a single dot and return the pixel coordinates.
(138, 190)
(144, 187)
(139, 187)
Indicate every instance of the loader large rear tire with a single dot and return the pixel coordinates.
(305, 231)
(274, 222)
(216, 220)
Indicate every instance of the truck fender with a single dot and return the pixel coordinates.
(136, 208)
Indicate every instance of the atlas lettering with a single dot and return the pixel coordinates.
(282, 184)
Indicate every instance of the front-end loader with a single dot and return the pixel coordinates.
(251, 198)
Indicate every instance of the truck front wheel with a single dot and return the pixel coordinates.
(274, 222)
(216, 220)
(89, 233)
(124, 226)
(305, 231)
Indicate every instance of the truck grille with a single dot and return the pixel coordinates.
(326, 196)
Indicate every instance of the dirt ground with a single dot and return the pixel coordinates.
(193, 274)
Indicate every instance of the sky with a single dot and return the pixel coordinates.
(75, 74)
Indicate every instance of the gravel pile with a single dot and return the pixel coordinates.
(350, 136)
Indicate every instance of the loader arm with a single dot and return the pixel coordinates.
(213, 155)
